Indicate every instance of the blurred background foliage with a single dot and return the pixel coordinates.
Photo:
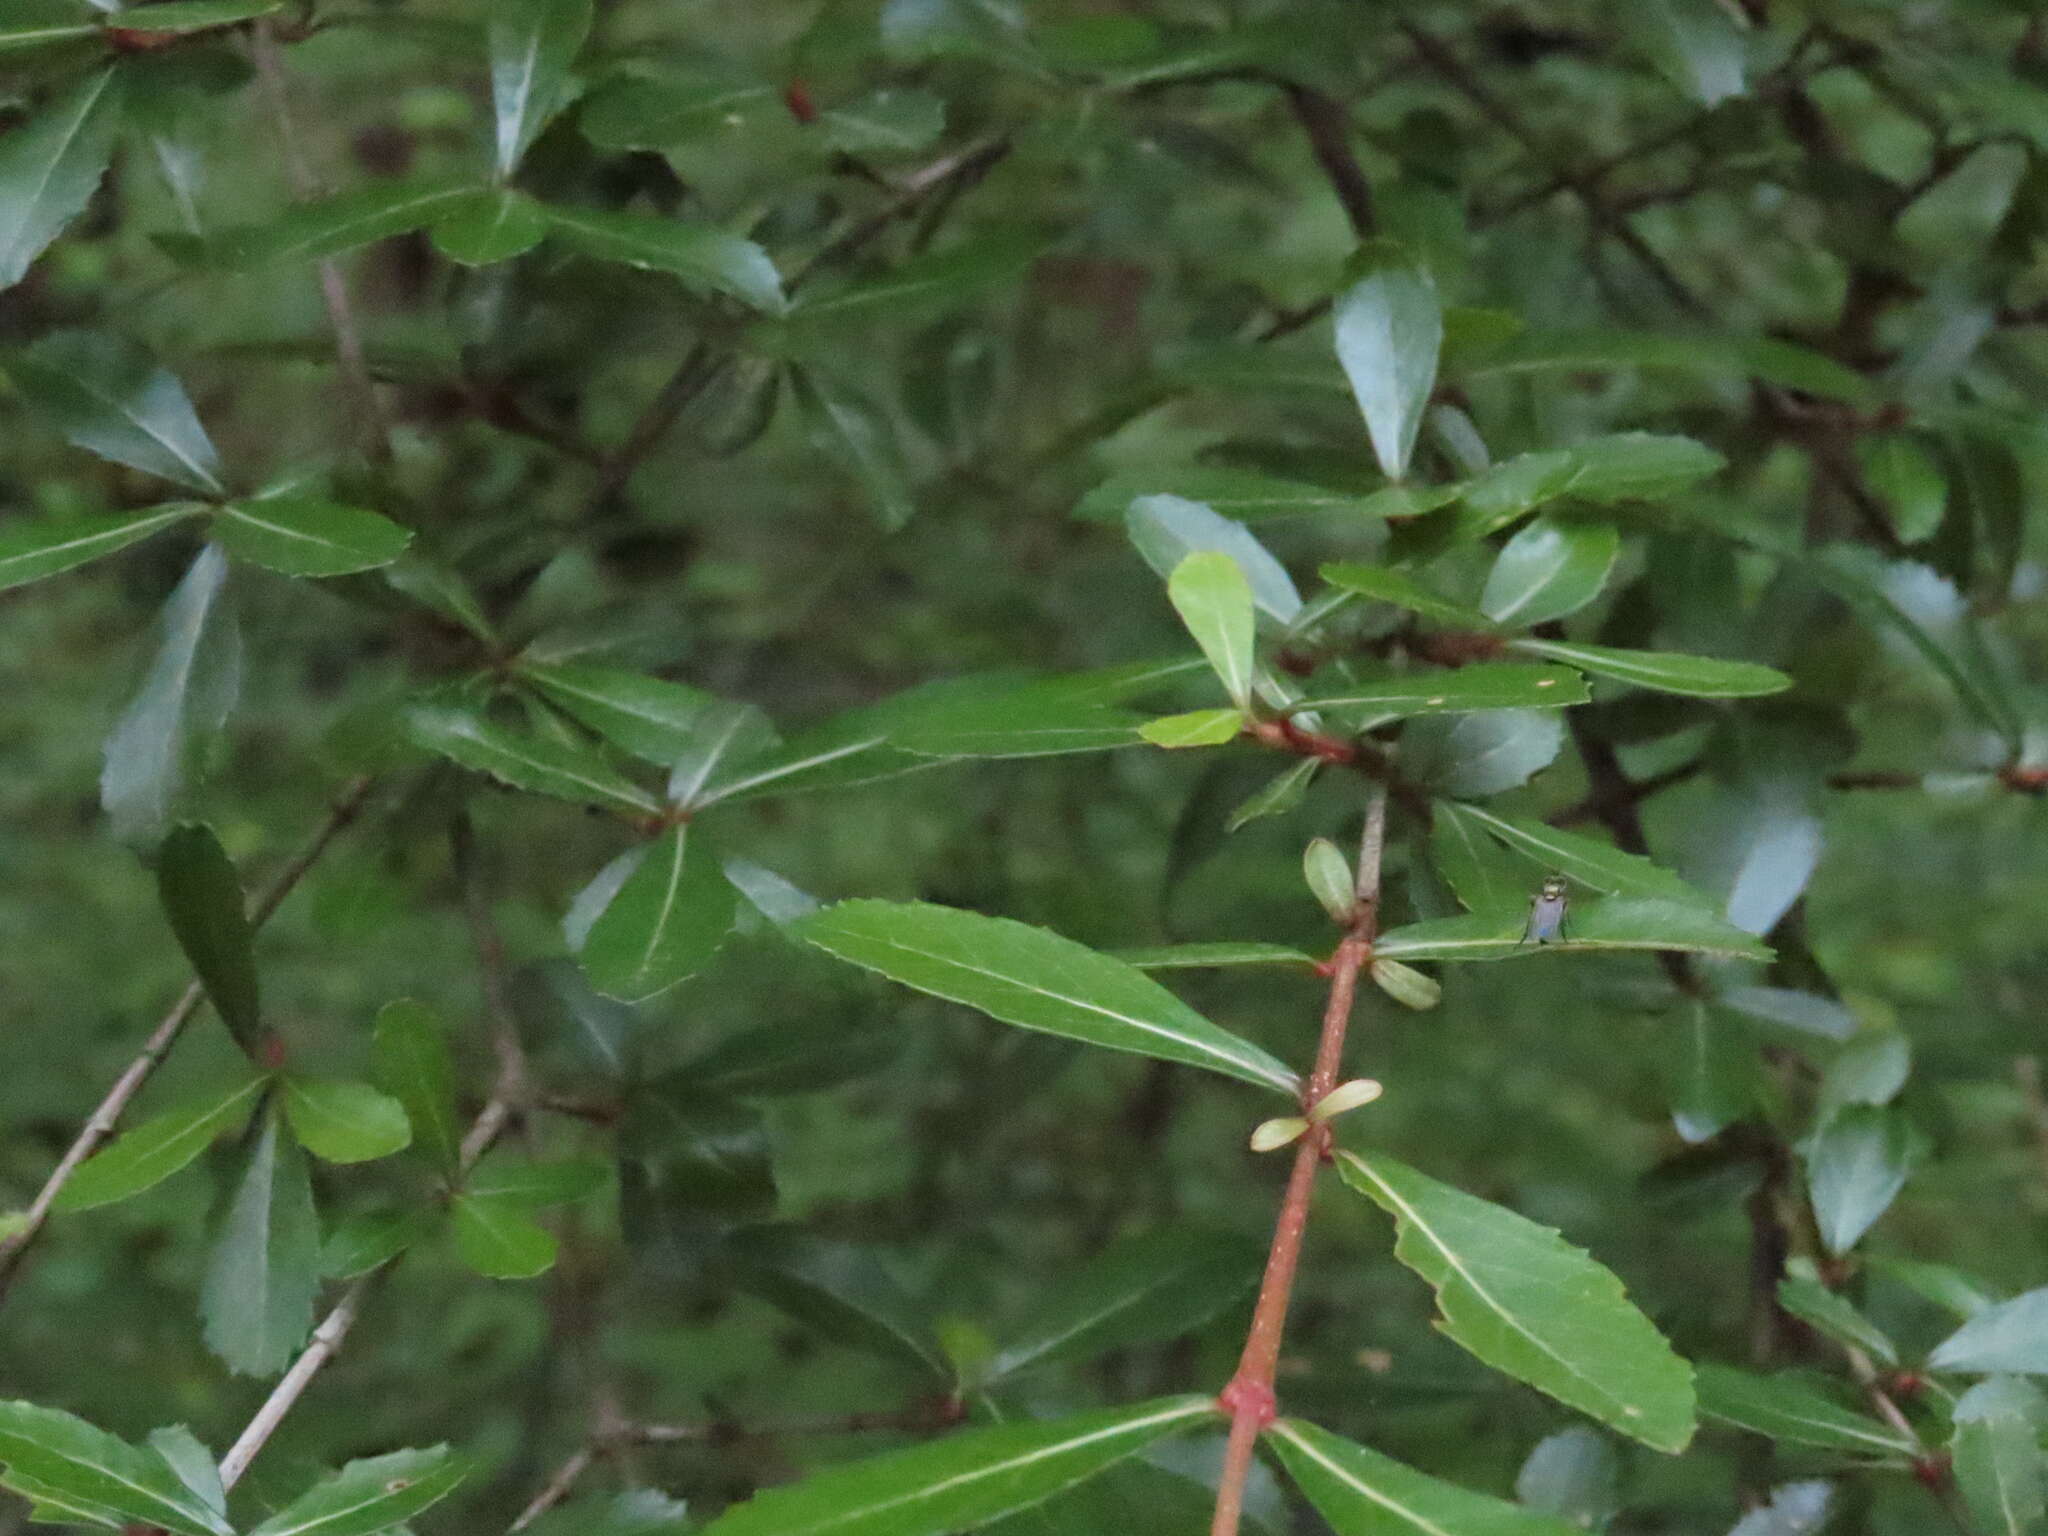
(913, 489)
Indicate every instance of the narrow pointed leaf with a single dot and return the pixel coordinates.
(161, 738)
(359, 1244)
(66, 1464)
(188, 1456)
(46, 548)
(1835, 1315)
(537, 1185)
(1281, 793)
(1195, 728)
(314, 231)
(202, 897)
(371, 1495)
(1801, 1011)
(1362, 1493)
(1483, 753)
(1856, 1165)
(1790, 1409)
(1549, 569)
(1630, 923)
(1147, 1288)
(1588, 861)
(1486, 685)
(49, 167)
(1037, 979)
(1996, 1453)
(177, 17)
(490, 225)
(409, 1052)
(1483, 875)
(843, 1291)
(144, 1157)
(1181, 957)
(110, 397)
(1526, 1302)
(1038, 719)
(1214, 601)
(339, 1121)
(702, 255)
(1703, 677)
(257, 1298)
(1406, 985)
(306, 536)
(2011, 1336)
(667, 920)
(962, 1481)
(1383, 584)
(1572, 1474)
(1389, 330)
(531, 763)
(648, 716)
(532, 43)
(858, 432)
(496, 1237)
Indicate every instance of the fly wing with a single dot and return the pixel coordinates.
(1546, 920)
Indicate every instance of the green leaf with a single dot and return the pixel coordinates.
(1214, 601)
(1037, 719)
(843, 1291)
(188, 1457)
(1586, 860)
(1705, 677)
(1180, 957)
(702, 255)
(667, 920)
(359, 1244)
(371, 1495)
(1549, 569)
(1573, 1474)
(1484, 876)
(339, 1121)
(1836, 1316)
(44, 26)
(931, 278)
(1390, 328)
(1484, 685)
(537, 1185)
(202, 897)
(1473, 755)
(1695, 45)
(1330, 880)
(885, 122)
(1996, 1452)
(1789, 1408)
(1362, 1493)
(691, 1165)
(1035, 978)
(183, 16)
(50, 166)
(635, 112)
(1407, 986)
(497, 1238)
(60, 544)
(110, 397)
(1621, 923)
(306, 536)
(1870, 1069)
(2011, 1336)
(1947, 1287)
(314, 231)
(1775, 362)
(1145, 1289)
(1195, 728)
(1856, 1165)
(154, 1150)
(1165, 530)
(1800, 1011)
(1526, 1302)
(410, 1061)
(1711, 1067)
(257, 1298)
(532, 44)
(1383, 584)
(963, 1480)
(67, 1465)
(639, 1512)
(1907, 475)
(531, 763)
(646, 716)
(1240, 494)
(858, 432)
(1280, 794)
(489, 225)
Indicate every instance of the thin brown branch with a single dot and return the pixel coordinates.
(107, 1116)
(1327, 123)
(326, 1340)
(557, 1488)
(1250, 1398)
(348, 336)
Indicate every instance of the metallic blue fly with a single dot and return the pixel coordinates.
(1547, 911)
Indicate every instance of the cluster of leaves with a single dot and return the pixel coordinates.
(1691, 553)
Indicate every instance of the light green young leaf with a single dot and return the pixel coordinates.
(1789, 1408)
(532, 44)
(1524, 1301)
(202, 897)
(498, 1239)
(410, 1060)
(49, 167)
(108, 396)
(1037, 979)
(1406, 985)
(537, 1185)
(344, 1122)
(1214, 601)
(257, 1298)
(307, 536)
(702, 255)
(2010, 1336)
(962, 1481)
(530, 763)
(1362, 1493)
(162, 736)
(1996, 1452)
(60, 544)
(1329, 879)
(65, 1464)
(1279, 795)
(359, 1244)
(1482, 686)
(1390, 328)
(667, 920)
(150, 1153)
(374, 1494)
(1548, 569)
(1704, 677)
(1195, 728)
